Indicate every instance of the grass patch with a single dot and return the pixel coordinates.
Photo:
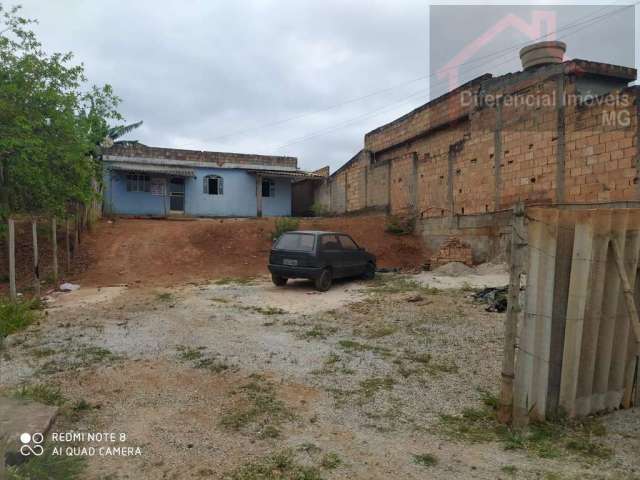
(380, 331)
(50, 467)
(16, 316)
(277, 466)
(258, 409)
(353, 346)
(42, 352)
(423, 363)
(42, 393)
(189, 354)
(509, 469)
(234, 281)
(91, 355)
(370, 386)
(389, 284)
(165, 297)
(330, 461)
(212, 364)
(425, 460)
(269, 310)
(552, 439)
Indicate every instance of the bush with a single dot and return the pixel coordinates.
(319, 210)
(400, 225)
(283, 225)
(15, 316)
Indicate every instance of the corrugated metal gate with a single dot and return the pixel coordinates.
(578, 336)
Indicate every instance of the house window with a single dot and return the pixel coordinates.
(213, 185)
(138, 183)
(268, 188)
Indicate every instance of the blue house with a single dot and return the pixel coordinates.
(150, 181)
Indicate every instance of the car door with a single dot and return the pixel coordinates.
(333, 254)
(353, 258)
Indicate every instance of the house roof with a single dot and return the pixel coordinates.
(292, 174)
(142, 168)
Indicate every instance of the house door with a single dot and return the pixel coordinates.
(176, 195)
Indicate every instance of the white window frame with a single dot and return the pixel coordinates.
(138, 183)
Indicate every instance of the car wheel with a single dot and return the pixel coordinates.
(323, 282)
(278, 281)
(369, 272)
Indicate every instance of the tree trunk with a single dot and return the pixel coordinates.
(76, 229)
(54, 248)
(12, 260)
(36, 266)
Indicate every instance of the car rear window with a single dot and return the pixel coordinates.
(302, 242)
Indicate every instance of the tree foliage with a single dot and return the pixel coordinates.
(51, 128)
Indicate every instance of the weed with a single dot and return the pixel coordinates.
(379, 331)
(189, 354)
(49, 466)
(400, 225)
(91, 355)
(165, 297)
(542, 439)
(319, 331)
(283, 225)
(278, 466)
(234, 280)
(260, 408)
(43, 393)
(389, 284)
(309, 448)
(42, 352)
(425, 460)
(353, 346)
(371, 386)
(427, 364)
(16, 316)
(330, 461)
(213, 365)
(220, 300)
(319, 210)
(268, 310)
(509, 469)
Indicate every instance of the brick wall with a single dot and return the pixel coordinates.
(446, 159)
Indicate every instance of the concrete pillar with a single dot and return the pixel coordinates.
(497, 157)
(258, 195)
(560, 152)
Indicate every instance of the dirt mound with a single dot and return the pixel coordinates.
(168, 252)
(453, 269)
(490, 268)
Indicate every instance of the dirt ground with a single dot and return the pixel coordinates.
(362, 382)
(169, 252)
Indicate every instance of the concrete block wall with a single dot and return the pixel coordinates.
(443, 160)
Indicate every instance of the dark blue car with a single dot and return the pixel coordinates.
(319, 256)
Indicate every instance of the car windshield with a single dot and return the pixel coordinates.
(302, 242)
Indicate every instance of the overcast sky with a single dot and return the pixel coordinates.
(227, 75)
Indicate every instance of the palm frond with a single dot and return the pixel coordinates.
(121, 130)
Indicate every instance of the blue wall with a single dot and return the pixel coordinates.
(238, 198)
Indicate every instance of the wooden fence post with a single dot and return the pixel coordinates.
(54, 248)
(12, 260)
(518, 243)
(36, 266)
(68, 244)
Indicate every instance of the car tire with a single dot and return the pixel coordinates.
(323, 282)
(278, 281)
(369, 271)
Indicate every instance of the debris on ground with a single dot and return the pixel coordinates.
(454, 269)
(495, 297)
(69, 287)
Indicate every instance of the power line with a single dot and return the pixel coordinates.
(569, 26)
(377, 111)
